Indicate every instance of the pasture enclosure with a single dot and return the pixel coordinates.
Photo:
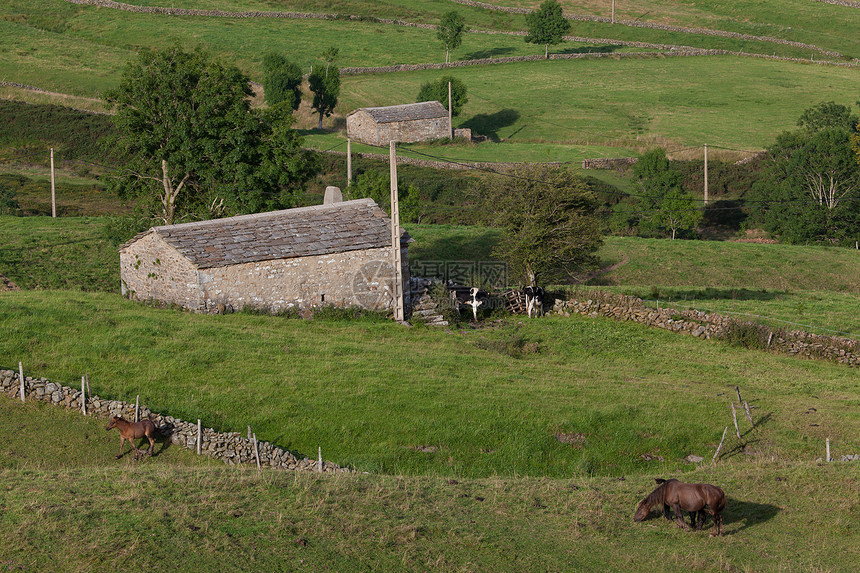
(471, 403)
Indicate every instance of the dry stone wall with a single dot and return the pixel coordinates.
(656, 26)
(231, 448)
(711, 325)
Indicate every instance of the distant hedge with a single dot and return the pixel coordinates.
(73, 134)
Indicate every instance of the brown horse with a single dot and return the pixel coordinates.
(697, 498)
(131, 431)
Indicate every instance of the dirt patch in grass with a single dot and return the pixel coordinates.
(6, 284)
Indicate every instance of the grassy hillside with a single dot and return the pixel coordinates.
(628, 103)
(63, 515)
(812, 286)
(470, 403)
(631, 101)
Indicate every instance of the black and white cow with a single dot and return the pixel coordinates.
(468, 296)
(534, 300)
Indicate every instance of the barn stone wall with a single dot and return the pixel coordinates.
(152, 270)
(352, 278)
(414, 130)
(360, 126)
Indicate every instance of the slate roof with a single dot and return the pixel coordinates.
(406, 112)
(291, 233)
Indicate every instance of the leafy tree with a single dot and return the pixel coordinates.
(438, 91)
(826, 115)
(325, 85)
(547, 25)
(665, 205)
(282, 81)
(330, 56)
(193, 146)
(812, 189)
(548, 215)
(678, 211)
(377, 186)
(450, 31)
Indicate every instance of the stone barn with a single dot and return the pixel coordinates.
(408, 123)
(333, 254)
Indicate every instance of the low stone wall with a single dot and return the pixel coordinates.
(711, 325)
(666, 27)
(609, 162)
(846, 3)
(231, 448)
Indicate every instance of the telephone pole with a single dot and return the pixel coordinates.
(450, 116)
(53, 188)
(706, 174)
(395, 238)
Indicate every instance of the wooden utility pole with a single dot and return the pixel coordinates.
(395, 238)
(348, 162)
(53, 188)
(706, 174)
(450, 116)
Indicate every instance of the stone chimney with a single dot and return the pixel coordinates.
(332, 195)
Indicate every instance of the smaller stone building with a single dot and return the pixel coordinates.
(334, 254)
(407, 123)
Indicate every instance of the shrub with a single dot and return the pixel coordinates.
(746, 335)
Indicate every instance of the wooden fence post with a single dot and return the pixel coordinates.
(749, 416)
(137, 409)
(21, 379)
(827, 445)
(720, 446)
(83, 396)
(320, 467)
(735, 419)
(256, 451)
(199, 438)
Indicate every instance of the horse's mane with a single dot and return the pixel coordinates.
(657, 496)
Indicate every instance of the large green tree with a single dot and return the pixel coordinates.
(377, 186)
(547, 25)
(551, 230)
(282, 81)
(664, 205)
(324, 82)
(450, 31)
(438, 91)
(193, 147)
(811, 191)
(828, 114)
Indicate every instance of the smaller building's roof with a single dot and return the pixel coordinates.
(290, 233)
(405, 112)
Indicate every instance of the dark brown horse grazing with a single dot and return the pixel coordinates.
(131, 431)
(697, 498)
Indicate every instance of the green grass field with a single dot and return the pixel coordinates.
(562, 110)
(740, 103)
(69, 506)
(517, 445)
